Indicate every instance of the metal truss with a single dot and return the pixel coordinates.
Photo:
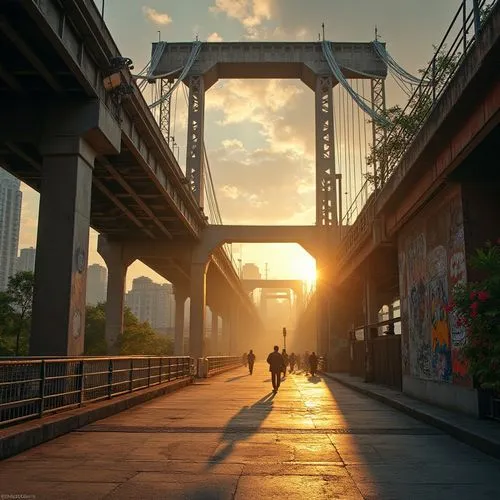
(326, 191)
(165, 108)
(379, 133)
(194, 160)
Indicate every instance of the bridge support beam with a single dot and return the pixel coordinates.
(195, 155)
(198, 294)
(62, 248)
(326, 191)
(117, 262)
(180, 300)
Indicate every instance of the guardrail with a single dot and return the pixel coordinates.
(218, 364)
(31, 388)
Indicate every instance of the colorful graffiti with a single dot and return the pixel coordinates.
(432, 261)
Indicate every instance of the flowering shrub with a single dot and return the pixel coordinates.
(477, 308)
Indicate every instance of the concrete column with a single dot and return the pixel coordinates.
(198, 294)
(214, 339)
(117, 262)
(226, 333)
(58, 321)
(234, 340)
(180, 301)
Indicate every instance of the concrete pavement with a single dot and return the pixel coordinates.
(227, 437)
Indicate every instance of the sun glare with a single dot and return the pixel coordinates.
(308, 271)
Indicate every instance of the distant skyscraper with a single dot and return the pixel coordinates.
(97, 278)
(26, 260)
(10, 220)
(251, 272)
(153, 303)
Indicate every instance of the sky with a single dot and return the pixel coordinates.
(259, 134)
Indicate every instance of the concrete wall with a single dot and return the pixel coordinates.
(431, 253)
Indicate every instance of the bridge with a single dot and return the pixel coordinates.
(76, 128)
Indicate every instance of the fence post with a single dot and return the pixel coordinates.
(110, 378)
(131, 376)
(82, 377)
(42, 387)
(161, 370)
(149, 372)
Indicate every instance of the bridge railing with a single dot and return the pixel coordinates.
(31, 388)
(218, 364)
(457, 42)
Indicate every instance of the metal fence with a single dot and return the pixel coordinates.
(32, 388)
(217, 364)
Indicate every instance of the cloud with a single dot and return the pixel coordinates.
(156, 17)
(214, 37)
(250, 13)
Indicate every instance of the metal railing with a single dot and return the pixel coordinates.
(448, 57)
(217, 364)
(31, 388)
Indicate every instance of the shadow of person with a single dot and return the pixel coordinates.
(314, 379)
(236, 378)
(241, 426)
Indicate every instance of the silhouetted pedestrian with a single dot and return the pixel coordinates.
(285, 361)
(313, 363)
(275, 360)
(292, 360)
(251, 361)
(299, 362)
(306, 362)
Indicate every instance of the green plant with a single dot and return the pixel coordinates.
(477, 308)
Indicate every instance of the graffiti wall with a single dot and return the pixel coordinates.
(431, 252)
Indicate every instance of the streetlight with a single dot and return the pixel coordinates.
(284, 338)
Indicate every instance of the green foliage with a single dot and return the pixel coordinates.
(15, 314)
(137, 338)
(477, 308)
(403, 124)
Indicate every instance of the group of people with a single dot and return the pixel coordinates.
(279, 362)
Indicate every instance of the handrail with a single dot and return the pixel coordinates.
(36, 387)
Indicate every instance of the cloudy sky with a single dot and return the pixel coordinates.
(259, 134)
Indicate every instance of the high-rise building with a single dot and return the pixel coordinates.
(10, 220)
(97, 278)
(26, 260)
(251, 272)
(153, 303)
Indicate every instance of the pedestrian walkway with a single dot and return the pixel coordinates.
(228, 437)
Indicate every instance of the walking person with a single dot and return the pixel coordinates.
(285, 361)
(251, 361)
(275, 361)
(313, 363)
(292, 361)
(306, 362)
(299, 363)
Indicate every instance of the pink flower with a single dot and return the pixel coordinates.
(483, 295)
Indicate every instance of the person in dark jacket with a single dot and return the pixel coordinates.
(313, 363)
(285, 361)
(251, 361)
(293, 360)
(275, 360)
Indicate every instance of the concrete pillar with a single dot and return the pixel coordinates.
(198, 294)
(180, 301)
(58, 321)
(226, 333)
(234, 340)
(117, 262)
(214, 339)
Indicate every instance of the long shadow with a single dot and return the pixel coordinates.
(237, 429)
(236, 378)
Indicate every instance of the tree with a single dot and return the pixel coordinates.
(403, 124)
(137, 337)
(15, 314)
